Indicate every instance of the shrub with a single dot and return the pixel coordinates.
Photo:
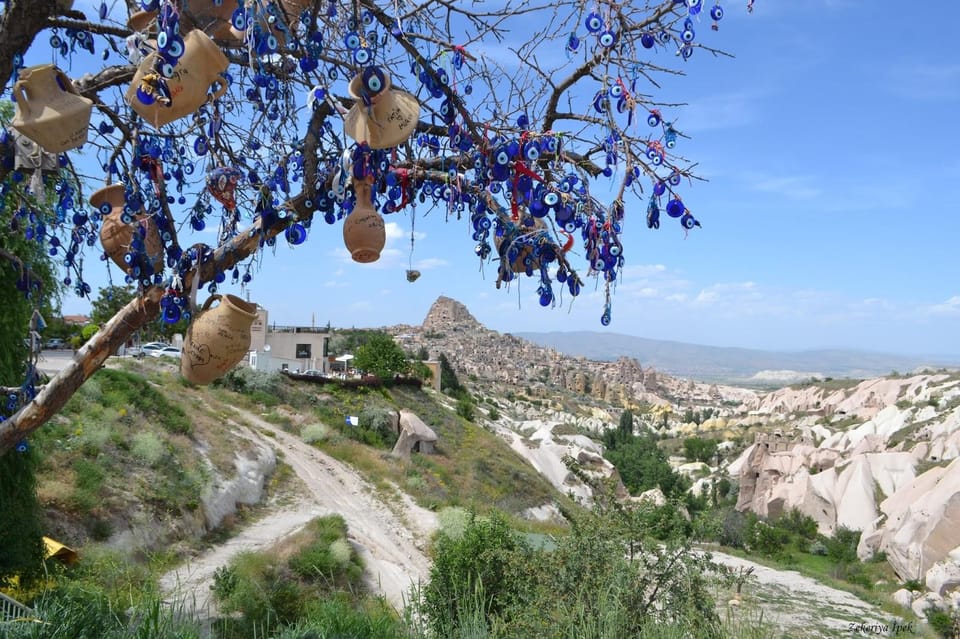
(312, 433)
(942, 622)
(465, 408)
(148, 447)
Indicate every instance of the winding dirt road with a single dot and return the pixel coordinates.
(391, 536)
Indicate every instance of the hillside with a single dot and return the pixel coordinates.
(734, 365)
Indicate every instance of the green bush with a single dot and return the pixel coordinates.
(312, 433)
(483, 569)
(465, 409)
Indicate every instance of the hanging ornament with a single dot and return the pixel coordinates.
(222, 183)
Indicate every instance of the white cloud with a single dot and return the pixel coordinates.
(949, 307)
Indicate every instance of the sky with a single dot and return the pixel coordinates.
(829, 211)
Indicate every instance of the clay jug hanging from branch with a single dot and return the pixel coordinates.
(162, 93)
(50, 111)
(217, 339)
(382, 116)
(364, 233)
(132, 242)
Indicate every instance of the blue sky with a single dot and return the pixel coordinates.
(829, 216)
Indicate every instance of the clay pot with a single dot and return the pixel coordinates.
(390, 118)
(364, 233)
(218, 339)
(116, 236)
(49, 110)
(195, 73)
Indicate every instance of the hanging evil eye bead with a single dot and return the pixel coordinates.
(675, 208)
(608, 39)
(694, 6)
(686, 51)
(593, 23)
(296, 234)
(647, 40)
(659, 189)
(670, 137)
(654, 118)
(239, 19)
(573, 43)
(367, 18)
(674, 179)
(615, 91)
(361, 55)
(352, 40)
(716, 12)
(664, 37)
(606, 317)
(688, 221)
(103, 10)
(688, 35)
(171, 314)
(531, 151)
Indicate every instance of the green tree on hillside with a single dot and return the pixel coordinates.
(699, 449)
(641, 464)
(27, 283)
(381, 356)
(626, 422)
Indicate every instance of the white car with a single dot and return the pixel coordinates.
(166, 351)
(147, 349)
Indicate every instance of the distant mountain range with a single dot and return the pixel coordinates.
(742, 365)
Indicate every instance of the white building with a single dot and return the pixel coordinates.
(293, 348)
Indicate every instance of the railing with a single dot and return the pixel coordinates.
(274, 328)
(11, 609)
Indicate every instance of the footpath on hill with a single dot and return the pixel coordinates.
(392, 534)
(391, 537)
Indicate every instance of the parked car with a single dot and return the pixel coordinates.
(313, 372)
(146, 349)
(55, 342)
(166, 351)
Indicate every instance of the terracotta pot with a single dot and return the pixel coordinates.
(49, 110)
(390, 118)
(195, 73)
(364, 233)
(116, 236)
(218, 339)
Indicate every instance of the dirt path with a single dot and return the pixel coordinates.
(390, 535)
(803, 607)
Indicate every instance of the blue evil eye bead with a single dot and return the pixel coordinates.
(653, 215)
(22, 447)
(144, 97)
(163, 39)
(688, 221)
(573, 43)
(502, 158)
(593, 22)
(239, 19)
(367, 18)
(200, 146)
(361, 55)
(105, 209)
(573, 285)
(166, 70)
(171, 314)
(175, 47)
(546, 298)
(103, 11)
(605, 318)
(599, 101)
(675, 208)
(664, 37)
(550, 144)
(616, 250)
(531, 151)
(674, 179)
(551, 199)
(647, 40)
(653, 119)
(523, 121)
(373, 80)
(694, 6)
(352, 40)
(686, 51)
(55, 41)
(608, 39)
(659, 189)
(716, 12)
(688, 35)
(296, 234)
(615, 91)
